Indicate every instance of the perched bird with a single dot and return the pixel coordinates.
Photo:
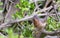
(38, 23)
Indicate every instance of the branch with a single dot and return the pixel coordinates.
(51, 33)
(19, 20)
(26, 18)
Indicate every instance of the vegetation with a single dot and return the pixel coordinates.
(19, 24)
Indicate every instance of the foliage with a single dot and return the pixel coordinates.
(25, 7)
(26, 28)
(52, 24)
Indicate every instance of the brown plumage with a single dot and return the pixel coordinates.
(38, 23)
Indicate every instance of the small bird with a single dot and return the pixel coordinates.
(38, 23)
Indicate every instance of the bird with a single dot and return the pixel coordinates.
(38, 23)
